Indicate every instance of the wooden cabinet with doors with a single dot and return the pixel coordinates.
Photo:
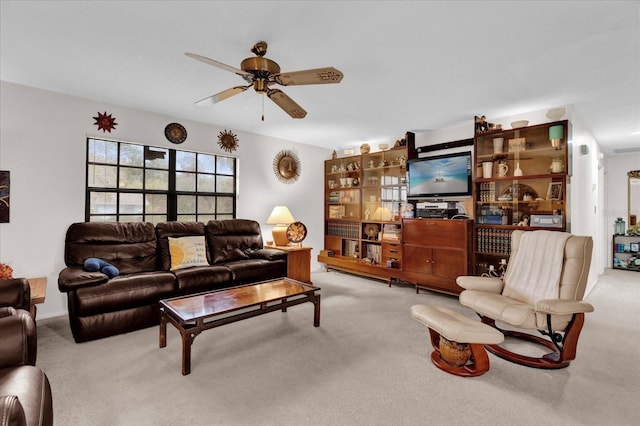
(436, 252)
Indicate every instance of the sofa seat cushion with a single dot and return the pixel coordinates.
(254, 270)
(33, 390)
(125, 291)
(203, 278)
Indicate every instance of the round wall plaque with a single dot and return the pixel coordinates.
(286, 166)
(175, 133)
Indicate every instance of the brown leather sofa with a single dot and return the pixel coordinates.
(25, 392)
(101, 307)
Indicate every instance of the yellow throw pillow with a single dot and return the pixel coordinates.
(187, 252)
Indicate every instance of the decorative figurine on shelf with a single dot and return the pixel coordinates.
(481, 124)
(524, 221)
(334, 155)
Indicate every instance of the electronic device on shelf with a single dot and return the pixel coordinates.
(438, 176)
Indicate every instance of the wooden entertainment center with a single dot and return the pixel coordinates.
(370, 228)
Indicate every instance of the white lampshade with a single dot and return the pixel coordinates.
(281, 217)
(381, 213)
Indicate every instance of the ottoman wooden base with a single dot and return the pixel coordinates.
(464, 340)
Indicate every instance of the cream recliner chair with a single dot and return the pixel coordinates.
(542, 290)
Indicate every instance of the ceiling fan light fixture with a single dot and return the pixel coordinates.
(261, 85)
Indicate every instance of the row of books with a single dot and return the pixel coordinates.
(350, 248)
(343, 229)
(391, 232)
(374, 252)
(496, 241)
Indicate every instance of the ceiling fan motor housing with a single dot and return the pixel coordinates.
(262, 68)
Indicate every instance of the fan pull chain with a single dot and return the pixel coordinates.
(263, 107)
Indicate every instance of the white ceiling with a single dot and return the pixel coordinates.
(408, 65)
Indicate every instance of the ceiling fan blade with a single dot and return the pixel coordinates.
(247, 76)
(326, 75)
(219, 97)
(286, 103)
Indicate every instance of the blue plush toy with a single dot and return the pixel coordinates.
(93, 264)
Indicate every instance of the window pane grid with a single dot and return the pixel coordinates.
(128, 182)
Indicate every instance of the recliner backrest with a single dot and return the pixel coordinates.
(232, 239)
(576, 264)
(164, 230)
(130, 246)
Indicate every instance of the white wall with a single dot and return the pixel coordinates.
(43, 145)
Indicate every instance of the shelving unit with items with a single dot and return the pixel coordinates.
(365, 196)
(626, 252)
(522, 180)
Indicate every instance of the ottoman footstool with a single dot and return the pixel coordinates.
(458, 341)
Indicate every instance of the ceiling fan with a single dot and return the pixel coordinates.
(261, 73)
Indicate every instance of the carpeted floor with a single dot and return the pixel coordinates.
(367, 364)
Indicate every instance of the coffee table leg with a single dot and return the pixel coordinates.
(316, 311)
(187, 340)
(163, 329)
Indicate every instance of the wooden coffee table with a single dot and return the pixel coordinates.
(193, 314)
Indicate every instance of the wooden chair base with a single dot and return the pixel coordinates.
(477, 365)
(554, 360)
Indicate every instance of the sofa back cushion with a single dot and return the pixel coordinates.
(166, 230)
(233, 239)
(129, 246)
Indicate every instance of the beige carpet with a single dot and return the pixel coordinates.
(367, 364)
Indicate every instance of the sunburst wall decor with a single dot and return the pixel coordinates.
(105, 122)
(286, 166)
(228, 141)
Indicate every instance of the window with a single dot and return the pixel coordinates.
(128, 183)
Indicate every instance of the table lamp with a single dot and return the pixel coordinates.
(281, 217)
(556, 134)
(381, 213)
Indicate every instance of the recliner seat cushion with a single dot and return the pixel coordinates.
(203, 278)
(500, 307)
(253, 270)
(123, 292)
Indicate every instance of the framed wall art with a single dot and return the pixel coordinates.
(4, 196)
(555, 191)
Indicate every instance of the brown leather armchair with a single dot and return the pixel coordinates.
(25, 392)
(15, 293)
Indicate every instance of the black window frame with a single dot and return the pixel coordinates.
(171, 192)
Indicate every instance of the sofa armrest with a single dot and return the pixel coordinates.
(488, 284)
(19, 338)
(11, 411)
(269, 254)
(563, 307)
(16, 293)
(71, 278)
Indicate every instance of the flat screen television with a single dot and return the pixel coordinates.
(439, 176)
